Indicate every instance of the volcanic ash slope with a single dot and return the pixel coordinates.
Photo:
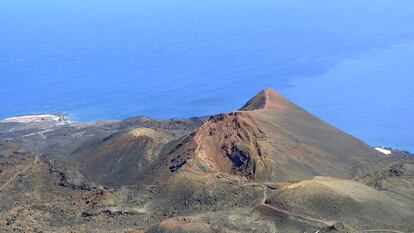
(270, 139)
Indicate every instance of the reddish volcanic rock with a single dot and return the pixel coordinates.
(270, 138)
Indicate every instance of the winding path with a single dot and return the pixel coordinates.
(19, 173)
(383, 230)
(290, 213)
(308, 218)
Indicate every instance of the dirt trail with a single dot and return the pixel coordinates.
(383, 230)
(290, 213)
(19, 173)
(308, 218)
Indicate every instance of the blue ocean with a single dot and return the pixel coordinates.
(350, 62)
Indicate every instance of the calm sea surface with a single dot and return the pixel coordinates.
(349, 62)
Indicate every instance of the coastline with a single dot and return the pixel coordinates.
(60, 119)
(37, 118)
